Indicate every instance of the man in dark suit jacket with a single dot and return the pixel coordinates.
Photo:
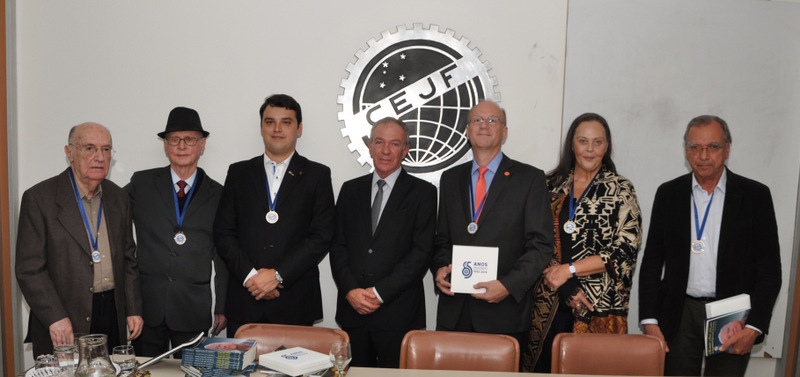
(726, 245)
(66, 260)
(383, 246)
(173, 209)
(515, 217)
(274, 224)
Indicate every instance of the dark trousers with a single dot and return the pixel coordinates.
(464, 324)
(375, 348)
(104, 317)
(156, 340)
(563, 321)
(685, 356)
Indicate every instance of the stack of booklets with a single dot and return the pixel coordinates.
(723, 319)
(295, 361)
(220, 357)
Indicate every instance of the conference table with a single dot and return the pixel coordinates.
(172, 368)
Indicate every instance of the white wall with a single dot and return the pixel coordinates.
(126, 64)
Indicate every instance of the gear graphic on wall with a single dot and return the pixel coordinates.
(426, 78)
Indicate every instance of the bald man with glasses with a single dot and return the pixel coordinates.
(75, 259)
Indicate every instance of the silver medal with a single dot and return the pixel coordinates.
(698, 247)
(96, 256)
(272, 217)
(179, 238)
(569, 227)
(472, 228)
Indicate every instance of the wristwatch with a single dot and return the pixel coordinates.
(572, 270)
(280, 279)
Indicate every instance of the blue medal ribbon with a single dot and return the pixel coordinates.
(270, 200)
(573, 208)
(92, 237)
(697, 227)
(180, 214)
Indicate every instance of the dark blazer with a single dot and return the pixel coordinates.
(516, 218)
(176, 279)
(293, 246)
(394, 260)
(748, 259)
(54, 264)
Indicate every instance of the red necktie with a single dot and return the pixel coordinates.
(480, 190)
(181, 186)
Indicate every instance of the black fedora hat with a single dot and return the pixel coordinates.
(183, 119)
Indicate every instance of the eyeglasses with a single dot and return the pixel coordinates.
(91, 149)
(490, 121)
(711, 148)
(189, 140)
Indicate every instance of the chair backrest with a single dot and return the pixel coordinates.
(270, 336)
(608, 354)
(447, 350)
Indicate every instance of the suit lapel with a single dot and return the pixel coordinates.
(401, 187)
(730, 210)
(294, 172)
(464, 180)
(258, 178)
(362, 200)
(113, 216)
(202, 194)
(162, 184)
(682, 209)
(498, 185)
(69, 212)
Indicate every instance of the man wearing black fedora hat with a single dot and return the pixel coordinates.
(173, 209)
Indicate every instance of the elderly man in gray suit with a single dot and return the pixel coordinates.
(75, 252)
(173, 209)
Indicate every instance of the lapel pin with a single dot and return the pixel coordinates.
(506, 174)
(290, 173)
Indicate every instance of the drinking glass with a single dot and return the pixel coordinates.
(125, 357)
(46, 361)
(340, 356)
(65, 355)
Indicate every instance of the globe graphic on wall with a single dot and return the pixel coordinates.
(437, 128)
(427, 78)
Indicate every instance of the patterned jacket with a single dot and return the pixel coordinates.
(608, 224)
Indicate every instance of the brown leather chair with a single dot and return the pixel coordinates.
(608, 354)
(448, 350)
(270, 336)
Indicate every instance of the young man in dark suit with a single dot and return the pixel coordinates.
(385, 223)
(173, 208)
(714, 235)
(511, 212)
(274, 224)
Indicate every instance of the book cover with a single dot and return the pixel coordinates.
(472, 265)
(295, 361)
(221, 353)
(723, 319)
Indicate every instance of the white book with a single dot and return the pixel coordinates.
(728, 305)
(472, 265)
(295, 361)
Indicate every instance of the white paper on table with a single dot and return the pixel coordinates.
(472, 265)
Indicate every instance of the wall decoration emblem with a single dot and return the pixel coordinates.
(428, 79)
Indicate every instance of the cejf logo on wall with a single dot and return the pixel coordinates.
(426, 78)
